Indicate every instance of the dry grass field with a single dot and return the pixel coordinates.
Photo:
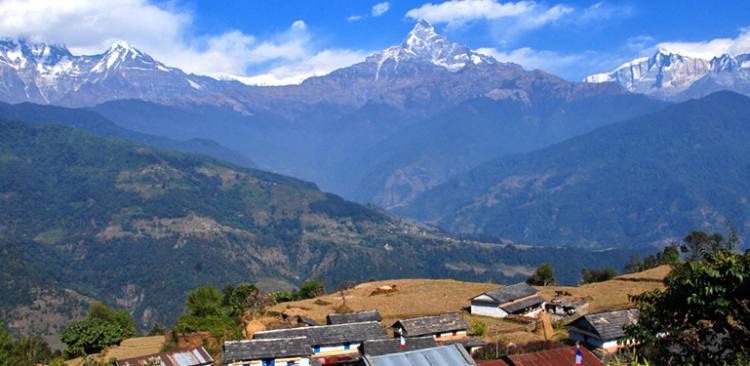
(419, 297)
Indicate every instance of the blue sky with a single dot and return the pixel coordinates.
(276, 42)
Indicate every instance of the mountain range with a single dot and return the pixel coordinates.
(367, 131)
(672, 76)
(646, 181)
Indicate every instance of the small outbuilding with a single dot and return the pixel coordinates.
(518, 299)
(603, 330)
(445, 329)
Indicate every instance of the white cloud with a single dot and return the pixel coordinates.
(318, 64)
(711, 48)
(166, 32)
(603, 11)
(456, 12)
(380, 8)
(377, 10)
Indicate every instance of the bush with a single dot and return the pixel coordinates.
(543, 276)
(204, 301)
(310, 289)
(478, 328)
(102, 327)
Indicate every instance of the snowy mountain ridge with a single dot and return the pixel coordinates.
(670, 75)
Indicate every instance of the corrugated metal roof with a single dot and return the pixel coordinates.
(190, 357)
(453, 355)
(555, 357)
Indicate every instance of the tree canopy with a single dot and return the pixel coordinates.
(703, 315)
(102, 327)
(597, 275)
(543, 276)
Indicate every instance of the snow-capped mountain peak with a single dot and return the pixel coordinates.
(424, 44)
(668, 74)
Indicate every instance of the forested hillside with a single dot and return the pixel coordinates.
(645, 181)
(138, 227)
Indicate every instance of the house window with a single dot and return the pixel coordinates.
(438, 335)
(316, 349)
(269, 362)
(290, 363)
(347, 346)
(455, 333)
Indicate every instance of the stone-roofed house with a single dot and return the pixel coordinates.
(331, 343)
(355, 317)
(377, 347)
(197, 356)
(267, 352)
(444, 328)
(519, 299)
(602, 330)
(450, 355)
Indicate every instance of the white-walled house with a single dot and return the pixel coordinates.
(520, 299)
(331, 344)
(445, 329)
(602, 330)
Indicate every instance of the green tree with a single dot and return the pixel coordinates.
(204, 301)
(702, 317)
(543, 276)
(102, 327)
(597, 275)
(241, 297)
(26, 351)
(699, 243)
(310, 289)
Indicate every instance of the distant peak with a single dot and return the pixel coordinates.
(121, 45)
(423, 25)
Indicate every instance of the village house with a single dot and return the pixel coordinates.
(445, 329)
(518, 299)
(449, 355)
(354, 317)
(602, 330)
(197, 356)
(267, 352)
(331, 344)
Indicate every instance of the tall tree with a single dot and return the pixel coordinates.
(204, 301)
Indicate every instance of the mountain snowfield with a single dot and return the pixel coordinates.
(672, 76)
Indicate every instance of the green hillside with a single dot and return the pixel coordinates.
(644, 181)
(138, 227)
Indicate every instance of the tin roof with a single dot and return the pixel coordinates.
(197, 356)
(415, 327)
(355, 317)
(323, 335)
(452, 355)
(555, 357)
(256, 349)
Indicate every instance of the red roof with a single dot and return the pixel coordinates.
(492, 363)
(555, 357)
